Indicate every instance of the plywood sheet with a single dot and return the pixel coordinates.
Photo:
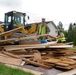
(10, 60)
(72, 57)
(60, 46)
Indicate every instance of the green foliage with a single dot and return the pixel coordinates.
(74, 48)
(74, 40)
(70, 36)
(4, 70)
(60, 26)
(70, 27)
(66, 33)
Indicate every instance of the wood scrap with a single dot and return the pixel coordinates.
(3, 55)
(66, 68)
(51, 60)
(10, 60)
(72, 57)
(10, 32)
(37, 56)
(64, 52)
(10, 46)
(31, 62)
(61, 63)
(61, 46)
(19, 48)
(26, 56)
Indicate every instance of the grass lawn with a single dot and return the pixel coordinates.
(74, 48)
(5, 70)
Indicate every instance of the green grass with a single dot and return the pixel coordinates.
(74, 48)
(5, 70)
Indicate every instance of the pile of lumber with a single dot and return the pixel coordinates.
(46, 55)
(64, 52)
(64, 63)
(34, 57)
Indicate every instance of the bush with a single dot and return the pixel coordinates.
(74, 40)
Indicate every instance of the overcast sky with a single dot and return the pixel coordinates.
(52, 10)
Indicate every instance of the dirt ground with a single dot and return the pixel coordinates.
(52, 71)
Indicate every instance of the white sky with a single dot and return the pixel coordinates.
(52, 10)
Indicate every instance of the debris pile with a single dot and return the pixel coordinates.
(46, 55)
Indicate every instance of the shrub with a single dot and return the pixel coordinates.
(74, 40)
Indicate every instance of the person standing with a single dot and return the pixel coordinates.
(43, 28)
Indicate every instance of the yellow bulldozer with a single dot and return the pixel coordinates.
(14, 19)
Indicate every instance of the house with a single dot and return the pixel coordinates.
(51, 25)
(53, 28)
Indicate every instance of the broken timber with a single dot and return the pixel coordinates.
(61, 63)
(31, 62)
(10, 32)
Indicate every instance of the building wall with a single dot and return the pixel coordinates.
(53, 30)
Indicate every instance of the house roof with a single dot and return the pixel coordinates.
(45, 22)
(52, 23)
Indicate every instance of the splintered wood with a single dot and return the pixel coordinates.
(64, 52)
(61, 63)
(41, 55)
(46, 55)
(19, 47)
(8, 60)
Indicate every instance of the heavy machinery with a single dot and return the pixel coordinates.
(14, 20)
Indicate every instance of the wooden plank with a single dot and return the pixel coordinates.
(11, 31)
(52, 60)
(31, 62)
(26, 70)
(69, 62)
(10, 46)
(19, 48)
(63, 67)
(37, 56)
(71, 72)
(62, 64)
(65, 63)
(10, 60)
(72, 57)
(3, 55)
(26, 56)
(61, 46)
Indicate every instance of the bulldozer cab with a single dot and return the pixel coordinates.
(13, 18)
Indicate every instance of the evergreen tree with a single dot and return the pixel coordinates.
(60, 26)
(70, 27)
(74, 39)
(70, 33)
